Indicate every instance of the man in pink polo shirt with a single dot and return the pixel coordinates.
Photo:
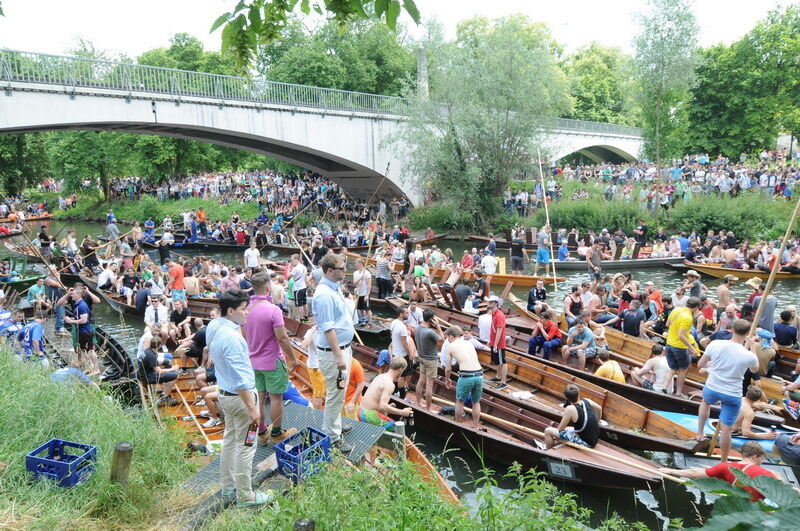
(269, 347)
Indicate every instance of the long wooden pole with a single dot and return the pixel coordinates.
(586, 449)
(775, 268)
(547, 217)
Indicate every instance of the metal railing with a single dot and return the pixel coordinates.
(79, 72)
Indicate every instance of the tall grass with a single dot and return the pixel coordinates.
(34, 409)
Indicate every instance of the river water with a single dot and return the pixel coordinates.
(460, 466)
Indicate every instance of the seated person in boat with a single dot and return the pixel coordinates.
(375, 406)
(537, 297)
(580, 423)
(194, 345)
(37, 297)
(610, 368)
(152, 372)
(753, 455)
(653, 374)
(545, 335)
(470, 374)
(754, 401)
(580, 343)
(210, 399)
(127, 285)
(107, 278)
(786, 329)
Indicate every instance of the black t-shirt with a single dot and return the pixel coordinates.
(785, 335)
(690, 255)
(317, 253)
(130, 281)
(642, 238)
(178, 317)
(661, 237)
(517, 246)
(44, 239)
(631, 319)
(199, 340)
(89, 302)
(462, 292)
(163, 252)
(140, 301)
(149, 364)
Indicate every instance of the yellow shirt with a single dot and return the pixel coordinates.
(612, 371)
(679, 319)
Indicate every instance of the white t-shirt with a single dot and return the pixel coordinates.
(660, 369)
(399, 335)
(484, 326)
(251, 257)
(299, 276)
(106, 276)
(489, 264)
(361, 280)
(414, 317)
(729, 361)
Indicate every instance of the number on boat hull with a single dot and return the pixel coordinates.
(560, 469)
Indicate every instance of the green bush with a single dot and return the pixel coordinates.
(593, 215)
(441, 218)
(34, 409)
(748, 216)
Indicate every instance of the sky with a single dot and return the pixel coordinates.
(130, 28)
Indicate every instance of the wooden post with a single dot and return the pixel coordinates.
(121, 463)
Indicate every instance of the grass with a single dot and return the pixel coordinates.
(345, 497)
(33, 409)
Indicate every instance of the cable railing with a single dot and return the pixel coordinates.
(79, 72)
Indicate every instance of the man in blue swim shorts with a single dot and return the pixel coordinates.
(470, 374)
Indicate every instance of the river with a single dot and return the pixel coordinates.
(460, 466)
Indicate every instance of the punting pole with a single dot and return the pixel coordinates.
(547, 217)
(536, 433)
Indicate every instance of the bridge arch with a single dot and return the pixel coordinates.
(603, 153)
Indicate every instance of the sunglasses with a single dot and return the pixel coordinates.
(339, 268)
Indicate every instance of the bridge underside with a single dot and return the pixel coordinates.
(356, 180)
(602, 153)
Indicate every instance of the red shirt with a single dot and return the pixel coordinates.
(498, 322)
(722, 471)
(467, 262)
(356, 377)
(176, 272)
(552, 330)
(4, 229)
(240, 237)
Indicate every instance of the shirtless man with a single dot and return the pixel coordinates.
(724, 292)
(375, 406)
(470, 374)
(751, 403)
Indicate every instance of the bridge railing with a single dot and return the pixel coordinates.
(79, 72)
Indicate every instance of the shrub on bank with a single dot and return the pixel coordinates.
(34, 409)
(441, 218)
(594, 215)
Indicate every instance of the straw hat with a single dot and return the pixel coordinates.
(730, 278)
(692, 273)
(754, 282)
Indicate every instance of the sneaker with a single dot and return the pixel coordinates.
(204, 413)
(347, 428)
(492, 379)
(261, 499)
(501, 386)
(201, 403)
(343, 446)
(282, 436)
(167, 400)
(210, 423)
(62, 332)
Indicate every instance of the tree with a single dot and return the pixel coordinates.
(257, 22)
(602, 85)
(22, 161)
(99, 156)
(493, 93)
(665, 59)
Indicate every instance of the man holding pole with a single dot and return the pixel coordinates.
(543, 253)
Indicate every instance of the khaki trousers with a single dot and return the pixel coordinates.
(334, 397)
(236, 460)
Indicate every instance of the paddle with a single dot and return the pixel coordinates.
(592, 451)
(547, 217)
(197, 422)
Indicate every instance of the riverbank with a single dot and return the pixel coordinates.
(751, 215)
(34, 409)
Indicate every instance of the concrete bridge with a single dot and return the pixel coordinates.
(337, 133)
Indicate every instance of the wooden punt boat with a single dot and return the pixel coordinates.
(789, 360)
(639, 263)
(199, 306)
(717, 271)
(636, 351)
(517, 343)
(514, 445)
(22, 250)
(186, 417)
(40, 217)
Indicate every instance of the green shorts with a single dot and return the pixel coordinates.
(273, 382)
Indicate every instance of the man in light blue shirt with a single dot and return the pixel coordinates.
(334, 334)
(237, 396)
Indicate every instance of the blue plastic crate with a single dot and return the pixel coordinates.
(303, 454)
(68, 463)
